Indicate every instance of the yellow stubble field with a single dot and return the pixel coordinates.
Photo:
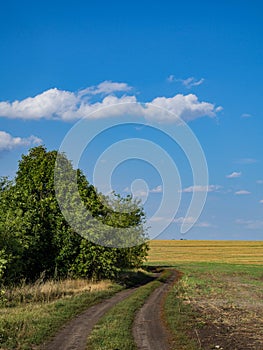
(184, 251)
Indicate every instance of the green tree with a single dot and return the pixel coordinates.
(35, 236)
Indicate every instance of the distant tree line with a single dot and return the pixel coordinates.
(35, 238)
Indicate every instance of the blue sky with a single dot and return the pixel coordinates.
(200, 60)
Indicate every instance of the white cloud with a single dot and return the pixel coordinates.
(8, 142)
(204, 224)
(234, 175)
(246, 115)
(198, 188)
(50, 104)
(159, 219)
(171, 78)
(190, 220)
(188, 82)
(247, 161)
(180, 220)
(250, 224)
(66, 105)
(186, 107)
(157, 189)
(261, 201)
(242, 192)
(259, 182)
(187, 220)
(140, 193)
(137, 192)
(106, 87)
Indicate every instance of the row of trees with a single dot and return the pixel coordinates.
(35, 237)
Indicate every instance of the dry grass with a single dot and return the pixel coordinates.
(50, 290)
(233, 252)
(29, 314)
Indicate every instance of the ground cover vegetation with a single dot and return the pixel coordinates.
(217, 301)
(114, 330)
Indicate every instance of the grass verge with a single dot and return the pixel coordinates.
(114, 330)
(179, 318)
(30, 314)
(27, 325)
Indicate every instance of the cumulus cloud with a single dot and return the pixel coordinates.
(50, 104)
(234, 175)
(186, 107)
(66, 105)
(242, 192)
(198, 188)
(8, 142)
(250, 224)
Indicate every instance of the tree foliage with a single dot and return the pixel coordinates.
(35, 237)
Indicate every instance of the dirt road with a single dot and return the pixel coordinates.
(148, 329)
(73, 336)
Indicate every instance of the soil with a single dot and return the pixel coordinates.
(148, 330)
(234, 322)
(230, 328)
(73, 336)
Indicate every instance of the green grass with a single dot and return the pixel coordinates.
(179, 318)
(30, 314)
(23, 326)
(114, 330)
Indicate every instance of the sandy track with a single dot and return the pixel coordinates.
(148, 330)
(73, 336)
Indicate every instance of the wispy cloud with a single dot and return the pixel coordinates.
(234, 175)
(188, 82)
(171, 78)
(242, 192)
(8, 142)
(246, 115)
(197, 188)
(191, 220)
(137, 193)
(67, 106)
(247, 161)
(183, 219)
(259, 182)
(250, 224)
(261, 201)
(142, 193)
(106, 87)
(157, 189)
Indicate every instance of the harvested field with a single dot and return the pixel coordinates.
(233, 252)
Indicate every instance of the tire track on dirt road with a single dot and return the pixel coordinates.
(73, 336)
(149, 331)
